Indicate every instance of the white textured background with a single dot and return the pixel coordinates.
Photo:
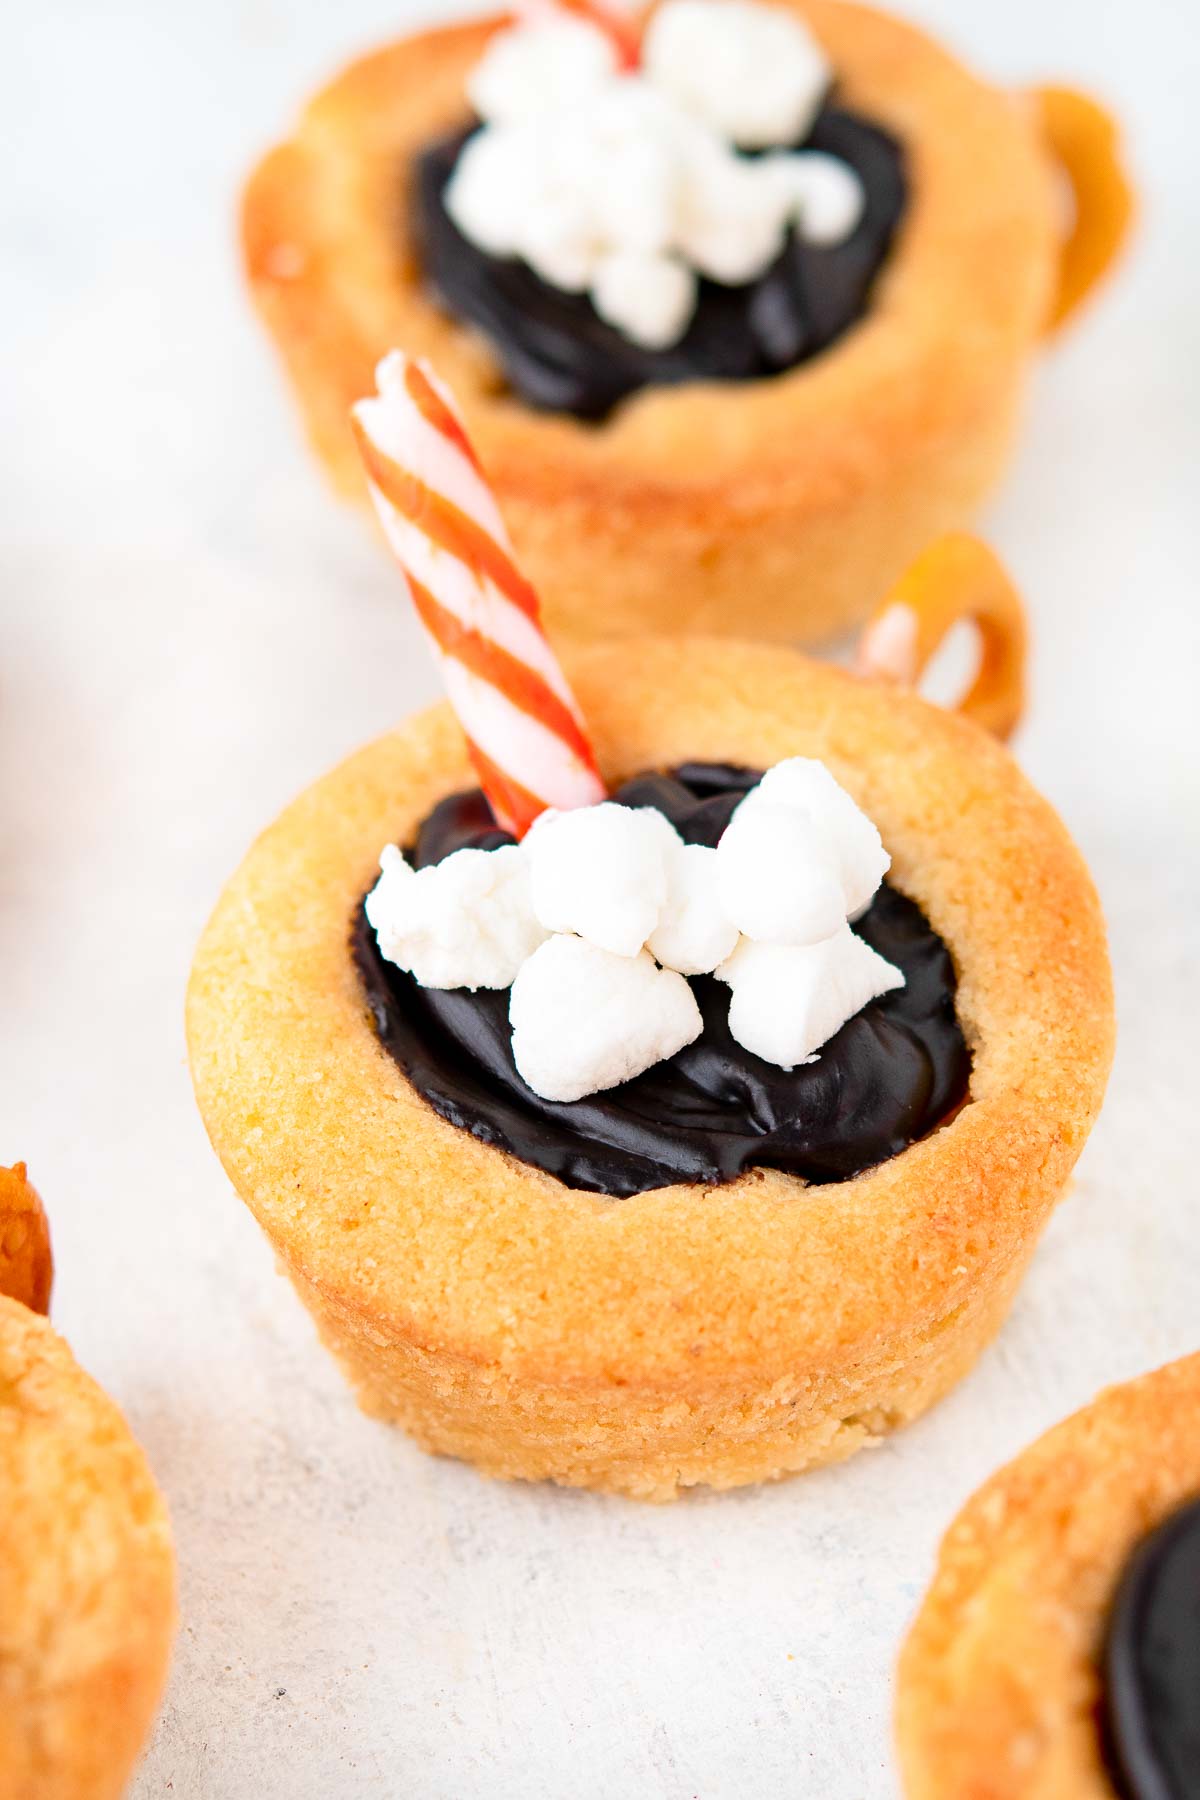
(191, 630)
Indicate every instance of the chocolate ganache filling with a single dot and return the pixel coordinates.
(558, 354)
(714, 1110)
(1152, 1666)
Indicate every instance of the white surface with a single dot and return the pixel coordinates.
(191, 631)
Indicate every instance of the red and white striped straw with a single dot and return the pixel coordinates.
(524, 730)
(609, 16)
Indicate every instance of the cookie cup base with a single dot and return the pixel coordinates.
(646, 1445)
(999, 1694)
(685, 1334)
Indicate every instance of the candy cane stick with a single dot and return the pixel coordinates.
(612, 19)
(525, 733)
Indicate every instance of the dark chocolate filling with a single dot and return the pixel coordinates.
(890, 1075)
(556, 351)
(1152, 1666)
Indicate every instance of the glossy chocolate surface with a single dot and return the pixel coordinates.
(558, 354)
(888, 1077)
(1152, 1666)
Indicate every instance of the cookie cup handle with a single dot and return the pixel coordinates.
(26, 1259)
(1085, 141)
(956, 578)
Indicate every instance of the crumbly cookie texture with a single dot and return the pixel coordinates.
(26, 1263)
(784, 508)
(998, 1685)
(680, 1336)
(87, 1576)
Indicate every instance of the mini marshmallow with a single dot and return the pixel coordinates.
(734, 214)
(538, 66)
(826, 196)
(650, 299)
(788, 1000)
(802, 783)
(584, 1019)
(693, 933)
(753, 74)
(578, 918)
(778, 875)
(631, 160)
(488, 194)
(627, 185)
(601, 872)
(560, 249)
(466, 922)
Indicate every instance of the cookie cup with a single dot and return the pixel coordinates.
(780, 508)
(686, 1335)
(87, 1576)
(999, 1685)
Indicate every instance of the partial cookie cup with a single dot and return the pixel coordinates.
(780, 508)
(685, 1335)
(999, 1686)
(87, 1576)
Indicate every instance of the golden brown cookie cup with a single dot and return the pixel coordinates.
(87, 1576)
(781, 508)
(998, 1685)
(686, 1335)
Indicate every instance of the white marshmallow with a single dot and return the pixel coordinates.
(584, 1019)
(777, 874)
(788, 1000)
(562, 249)
(539, 66)
(734, 216)
(632, 165)
(753, 74)
(489, 194)
(605, 181)
(826, 197)
(619, 889)
(466, 922)
(650, 299)
(601, 872)
(587, 195)
(693, 933)
(806, 785)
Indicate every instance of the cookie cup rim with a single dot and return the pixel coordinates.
(966, 290)
(999, 1670)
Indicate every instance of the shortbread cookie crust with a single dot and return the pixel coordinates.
(683, 1335)
(783, 508)
(87, 1576)
(999, 1686)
